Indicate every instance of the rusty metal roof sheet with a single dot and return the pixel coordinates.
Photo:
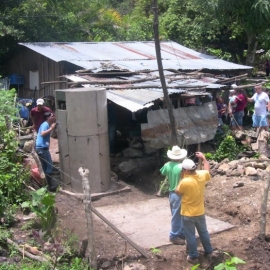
(134, 97)
(131, 56)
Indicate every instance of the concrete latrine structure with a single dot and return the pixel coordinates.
(83, 137)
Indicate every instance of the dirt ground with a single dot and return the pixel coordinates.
(239, 206)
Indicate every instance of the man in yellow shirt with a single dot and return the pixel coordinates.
(191, 188)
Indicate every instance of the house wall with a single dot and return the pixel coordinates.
(27, 60)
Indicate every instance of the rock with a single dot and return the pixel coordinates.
(246, 154)
(250, 171)
(263, 157)
(262, 173)
(136, 145)
(149, 150)
(226, 160)
(223, 168)
(114, 177)
(135, 266)
(127, 166)
(268, 169)
(238, 184)
(244, 159)
(28, 145)
(235, 172)
(106, 265)
(240, 168)
(3, 259)
(233, 164)
(254, 146)
(259, 166)
(239, 134)
(132, 153)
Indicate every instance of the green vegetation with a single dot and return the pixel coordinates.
(42, 204)
(76, 264)
(13, 174)
(230, 264)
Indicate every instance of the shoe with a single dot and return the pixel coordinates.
(192, 260)
(177, 241)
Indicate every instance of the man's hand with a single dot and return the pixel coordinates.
(200, 155)
(53, 125)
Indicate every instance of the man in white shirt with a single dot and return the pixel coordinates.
(262, 105)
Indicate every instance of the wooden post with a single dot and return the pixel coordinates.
(264, 208)
(88, 213)
(174, 139)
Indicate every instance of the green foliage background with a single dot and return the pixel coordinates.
(12, 172)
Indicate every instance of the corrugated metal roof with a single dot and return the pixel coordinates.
(133, 56)
(138, 98)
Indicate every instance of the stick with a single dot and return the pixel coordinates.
(138, 248)
(26, 253)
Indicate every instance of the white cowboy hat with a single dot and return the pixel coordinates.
(176, 153)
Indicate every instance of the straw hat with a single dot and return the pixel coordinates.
(176, 153)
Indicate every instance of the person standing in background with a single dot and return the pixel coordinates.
(43, 145)
(37, 114)
(172, 170)
(261, 106)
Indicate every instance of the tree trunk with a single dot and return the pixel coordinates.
(174, 140)
(251, 51)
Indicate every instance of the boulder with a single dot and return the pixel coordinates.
(127, 166)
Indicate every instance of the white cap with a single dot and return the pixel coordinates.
(188, 164)
(40, 101)
(234, 85)
(232, 90)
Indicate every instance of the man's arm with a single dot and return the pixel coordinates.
(46, 132)
(202, 157)
(250, 99)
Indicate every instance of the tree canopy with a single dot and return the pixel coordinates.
(232, 30)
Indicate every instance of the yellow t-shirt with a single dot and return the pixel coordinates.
(191, 187)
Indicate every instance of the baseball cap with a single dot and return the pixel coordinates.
(40, 101)
(188, 164)
(232, 90)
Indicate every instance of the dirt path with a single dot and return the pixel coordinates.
(239, 206)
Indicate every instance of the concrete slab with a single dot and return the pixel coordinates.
(147, 223)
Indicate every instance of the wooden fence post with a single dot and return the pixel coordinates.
(88, 213)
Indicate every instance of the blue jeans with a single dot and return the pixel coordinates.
(238, 119)
(176, 222)
(46, 160)
(189, 224)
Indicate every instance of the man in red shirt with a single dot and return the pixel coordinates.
(37, 114)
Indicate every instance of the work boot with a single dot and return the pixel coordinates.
(51, 185)
(177, 241)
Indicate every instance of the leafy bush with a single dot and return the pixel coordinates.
(42, 204)
(12, 172)
(227, 149)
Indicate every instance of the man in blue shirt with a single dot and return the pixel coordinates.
(42, 147)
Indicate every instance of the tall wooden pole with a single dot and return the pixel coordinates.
(88, 212)
(174, 140)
